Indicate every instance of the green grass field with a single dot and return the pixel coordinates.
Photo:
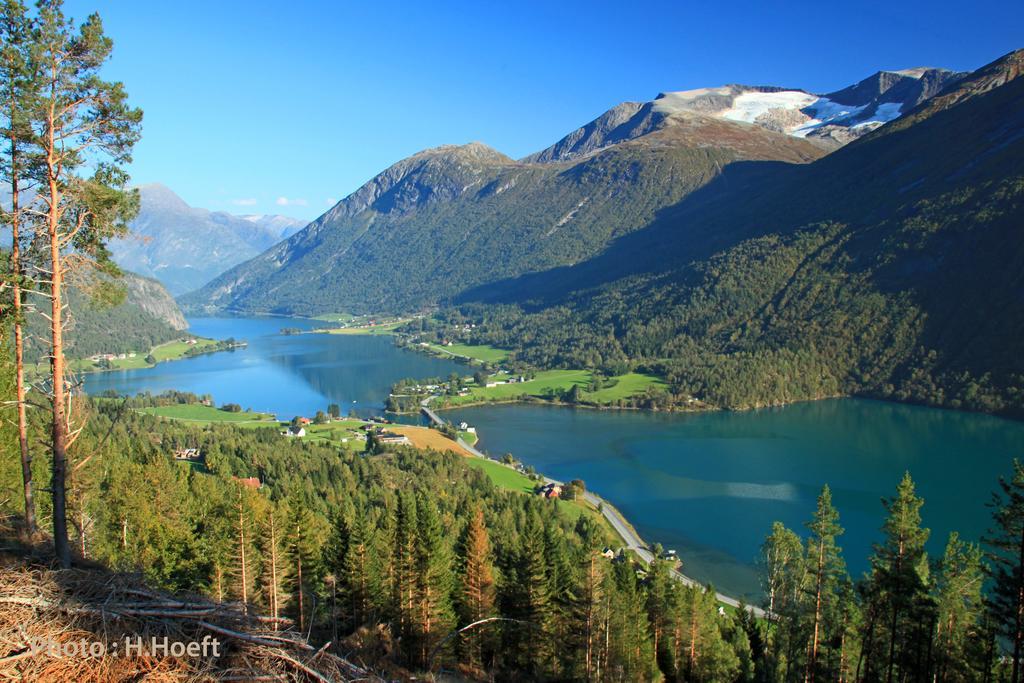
(334, 432)
(502, 476)
(543, 383)
(334, 317)
(481, 352)
(196, 412)
(512, 480)
(86, 365)
(178, 349)
(468, 437)
(547, 382)
(630, 384)
(383, 328)
(168, 351)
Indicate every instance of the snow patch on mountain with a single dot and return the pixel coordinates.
(750, 106)
(884, 113)
(794, 112)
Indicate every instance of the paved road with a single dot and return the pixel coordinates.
(629, 536)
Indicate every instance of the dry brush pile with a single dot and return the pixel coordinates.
(94, 625)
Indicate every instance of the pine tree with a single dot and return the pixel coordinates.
(825, 571)
(534, 598)
(80, 119)
(590, 596)
(562, 584)
(660, 589)
(403, 564)
(19, 77)
(359, 578)
(435, 581)
(243, 556)
(782, 559)
(898, 585)
(1006, 554)
(631, 656)
(476, 589)
(958, 643)
(302, 548)
(704, 655)
(275, 569)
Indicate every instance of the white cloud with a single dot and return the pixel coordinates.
(245, 201)
(331, 201)
(285, 201)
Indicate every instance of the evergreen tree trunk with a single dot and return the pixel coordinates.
(812, 661)
(19, 352)
(298, 578)
(59, 427)
(274, 612)
(243, 569)
(1018, 623)
(18, 67)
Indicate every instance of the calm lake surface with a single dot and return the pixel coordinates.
(283, 374)
(708, 485)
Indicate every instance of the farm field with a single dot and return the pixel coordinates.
(197, 412)
(480, 352)
(625, 386)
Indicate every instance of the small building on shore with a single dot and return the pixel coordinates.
(393, 439)
(549, 491)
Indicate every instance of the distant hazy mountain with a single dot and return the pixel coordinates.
(185, 247)
(831, 120)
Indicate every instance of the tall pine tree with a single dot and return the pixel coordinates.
(897, 589)
(825, 572)
(435, 581)
(1006, 553)
(80, 122)
(476, 590)
(959, 641)
(19, 76)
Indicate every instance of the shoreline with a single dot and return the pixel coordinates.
(469, 361)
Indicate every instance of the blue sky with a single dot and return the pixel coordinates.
(285, 107)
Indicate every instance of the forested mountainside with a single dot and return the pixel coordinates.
(185, 247)
(893, 267)
(452, 218)
(143, 315)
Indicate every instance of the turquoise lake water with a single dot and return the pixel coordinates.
(711, 484)
(283, 374)
(708, 485)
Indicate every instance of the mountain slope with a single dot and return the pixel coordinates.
(185, 247)
(452, 218)
(893, 267)
(147, 316)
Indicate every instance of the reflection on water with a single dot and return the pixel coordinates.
(283, 374)
(711, 484)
